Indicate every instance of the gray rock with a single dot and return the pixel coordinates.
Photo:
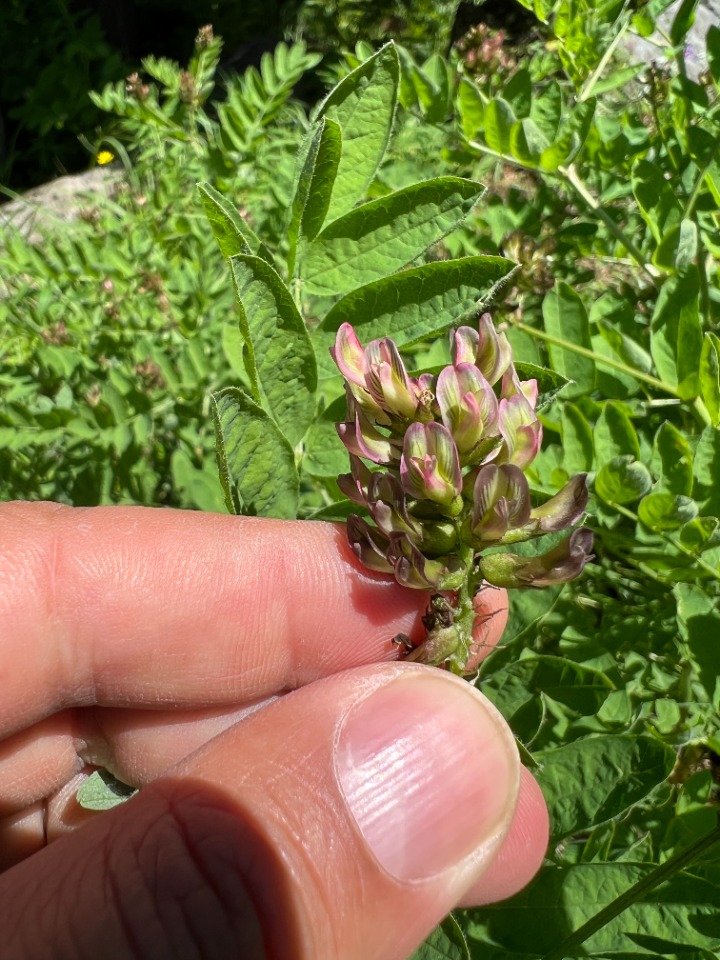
(57, 202)
(653, 48)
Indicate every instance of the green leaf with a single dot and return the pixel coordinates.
(684, 19)
(325, 456)
(672, 461)
(446, 942)
(622, 480)
(678, 247)
(471, 108)
(676, 333)
(658, 204)
(363, 104)
(414, 305)
(596, 779)
(102, 791)
(577, 440)
(384, 235)
(499, 120)
(663, 511)
(579, 689)
(547, 109)
(256, 462)
(625, 347)
(615, 434)
(550, 384)
(706, 470)
(712, 41)
(566, 319)
(679, 916)
(527, 142)
(232, 233)
(709, 375)
(700, 627)
(518, 93)
(315, 180)
(618, 78)
(281, 351)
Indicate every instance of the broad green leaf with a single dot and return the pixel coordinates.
(678, 248)
(363, 104)
(625, 347)
(579, 689)
(595, 779)
(433, 85)
(657, 201)
(499, 119)
(709, 375)
(664, 511)
(547, 109)
(446, 942)
(415, 304)
(518, 93)
(679, 916)
(672, 461)
(700, 628)
(256, 462)
(706, 470)
(618, 78)
(683, 21)
(232, 233)
(471, 108)
(102, 791)
(284, 360)
(615, 434)
(712, 41)
(577, 440)
(384, 235)
(622, 480)
(566, 319)
(315, 180)
(527, 142)
(676, 333)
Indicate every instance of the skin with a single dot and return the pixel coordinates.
(242, 672)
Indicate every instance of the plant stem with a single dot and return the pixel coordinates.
(587, 90)
(571, 176)
(599, 359)
(635, 893)
(668, 539)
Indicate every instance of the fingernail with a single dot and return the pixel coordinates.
(429, 772)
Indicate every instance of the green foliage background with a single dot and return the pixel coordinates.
(603, 182)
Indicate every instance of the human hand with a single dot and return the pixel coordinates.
(342, 820)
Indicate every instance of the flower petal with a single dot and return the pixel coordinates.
(430, 466)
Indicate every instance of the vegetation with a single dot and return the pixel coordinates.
(603, 182)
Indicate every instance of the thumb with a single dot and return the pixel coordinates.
(342, 821)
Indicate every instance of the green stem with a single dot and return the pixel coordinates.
(668, 539)
(572, 177)
(568, 948)
(597, 72)
(599, 359)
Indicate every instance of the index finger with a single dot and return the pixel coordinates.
(150, 607)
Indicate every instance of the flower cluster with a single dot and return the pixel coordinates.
(448, 454)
